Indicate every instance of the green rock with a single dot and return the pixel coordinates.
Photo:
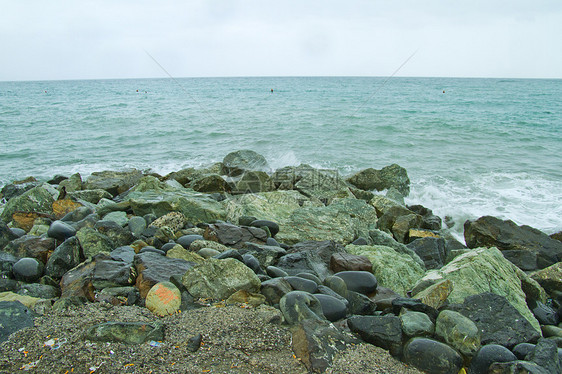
(93, 242)
(177, 251)
(388, 177)
(218, 279)
(550, 278)
(36, 200)
(324, 185)
(197, 245)
(393, 270)
(416, 324)
(91, 196)
(253, 182)
(114, 182)
(72, 184)
(151, 196)
(126, 332)
(118, 217)
(478, 271)
(210, 183)
(38, 230)
(458, 331)
(235, 163)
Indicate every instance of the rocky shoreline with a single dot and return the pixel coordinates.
(239, 268)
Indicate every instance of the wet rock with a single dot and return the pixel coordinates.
(432, 356)
(543, 313)
(234, 236)
(7, 262)
(235, 163)
(124, 254)
(210, 183)
(126, 332)
(413, 304)
(545, 354)
(458, 331)
(31, 246)
(323, 184)
(551, 331)
(40, 291)
(389, 176)
(74, 183)
(65, 257)
(35, 200)
(77, 281)
(394, 270)
(359, 281)
(301, 284)
(153, 268)
(61, 230)
(310, 257)
(253, 182)
(298, 306)
(506, 235)
(109, 273)
(336, 284)
(218, 279)
(92, 196)
(163, 299)
(265, 254)
(14, 316)
(521, 350)
(382, 331)
(274, 289)
(114, 182)
(431, 250)
(19, 187)
(494, 316)
(360, 304)
(94, 242)
(275, 272)
(379, 237)
(120, 218)
(332, 308)
(347, 261)
(28, 269)
(416, 324)
(478, 271)
(437, 294)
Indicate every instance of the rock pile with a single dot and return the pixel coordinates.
(341, 263)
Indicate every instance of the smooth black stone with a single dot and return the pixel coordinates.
(489, 354)
(272, 226)
(14, 316)
(431, 250)
(325, 290)
(61, 230)
(149, 218)
(186, 240)
(359, 281)
(302, 284)
(333, 308)
(230, 253)
(432, 356)
(272, 242)
(522, 350)
(253, 263)
(382, 331)
(310, 276)
(246, 220)
(77, 215)
(149, 232)
(275, 272)
(194, 343)
(28, 269)
(149, 248)
(166, 247)
(336, 284)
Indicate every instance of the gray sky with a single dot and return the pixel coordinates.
(107, 38)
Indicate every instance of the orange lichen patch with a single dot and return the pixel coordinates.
(163, 299)
(62, 207)
(164, 294)
(24, 220)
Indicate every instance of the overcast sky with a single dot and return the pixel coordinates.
(108, 38)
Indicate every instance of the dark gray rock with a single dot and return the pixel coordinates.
(61, 230)
(9, 285)
(234, 236)
(124, 254)
(14, 316)
(350, 262)
(89, 221)
(517, 367)
(415, 305)
(126, 332)
(489, 231)
(7, 261)
(416, 324)
(494, 316)
(336, 284)
(152, 249)
(310, 257)
(110, 273)
(272, 242)
(17, 188)
(429, 220)
(360, 304)
(302, 284)
(114, 182)
(545, 354)
(28, 269)
(253, 263)
(6, 235)
(431, 250)
(31, 246)
(230, 253)
(310, 277)
(389, 176)
(543, 313)
(359, 281)
(153, 268)
(360, 241)
(275, 272)
(382, 331)
(235, 163)
(332, 308)
(298, 306)
(194, 343)
(17, 231)
(94, 242)
(266, 255)
(136, 225)
(324, 290)
(77, 214)
(522, 350)
(272, 226)
(119, 235)
(41, 291)
(65, 257)
(274, 289)
(432, 356)
(186, 240)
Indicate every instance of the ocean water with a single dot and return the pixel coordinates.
(472, 147)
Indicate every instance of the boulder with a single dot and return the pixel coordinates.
(6, 235)
(126, 332)
(71, 184)
(266, 255)
(14, 316)
(65, 257)
(7, 261)
(478, 271)
(114, 182)
(94, 242)
(136, 225)
(332, 307)
(546, 355)
(526, 367)
(437, 294)
(109, 273)
(235, 163)
(388, 177)
(489, 231)
(151, 196)
(274, 289)
(163, 299)
(35, 200)
(253, 182)
(379, 237)
(310, 257)
(28, 269)
(271, 226)
(550, 278)
(498, 321)
(174, 220)
(77, 281)
(177, 251)
(153, 268)
(489, 354)
(346, 261)
(359, 281)
(120, 218)
(399, 220)
(234, 236)
(89, 196)
(431, 250)
(382, 331)
(210, 183)
(324, 185)
(218, 279)
(17, 188)
(400, 304)
(61, 230)
(416, 324)
(432, 356)
(116, 233)
(248, 298)
(458, 331)
(394, 270)
(31, 246)
(298, 306)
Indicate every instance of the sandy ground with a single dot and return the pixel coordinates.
(235, 340)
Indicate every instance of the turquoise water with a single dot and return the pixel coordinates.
(485, 146)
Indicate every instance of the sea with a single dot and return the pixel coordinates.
(472, 147)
